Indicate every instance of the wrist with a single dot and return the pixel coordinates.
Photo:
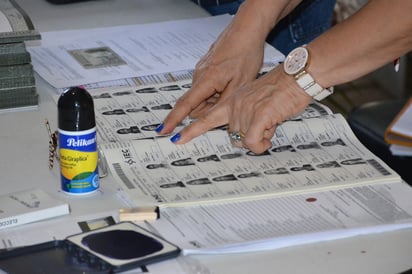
(296, 65)
(286, 93)
(259, 21)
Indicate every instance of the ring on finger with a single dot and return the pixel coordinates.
(236, 136)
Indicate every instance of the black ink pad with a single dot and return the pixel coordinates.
(121, 244)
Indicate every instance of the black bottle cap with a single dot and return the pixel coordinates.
(76, 110)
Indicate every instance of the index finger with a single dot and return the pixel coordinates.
(186, 103)
(215, 117)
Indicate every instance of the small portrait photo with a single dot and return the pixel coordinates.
(162, 107)
(306, 167)
(188, 85)
(209, 158)
(311, 145)
(130, 130)
(338, 142)
(276, 171)
(200, 181)
(228, 177)
(151, 127)
(135, 110)
(183, 162)
(172, 185)
(114, 112)
(102, 96)
(251, 153)
(170, 88)
(250, 175)
(230, 156)
(330, 164)
(355, 161)
(147, 90)
(284, 148)
(121, 93)
(99, 57)
(156, 166)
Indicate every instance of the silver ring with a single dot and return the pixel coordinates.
(236, 136)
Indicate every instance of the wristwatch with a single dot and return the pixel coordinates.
(295, 64)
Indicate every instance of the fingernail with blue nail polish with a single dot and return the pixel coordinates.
(175, 138)
(159, 128)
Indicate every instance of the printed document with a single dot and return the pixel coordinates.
(265, 224)
(90, 56)
(313, 150)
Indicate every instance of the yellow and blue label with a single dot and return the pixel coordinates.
(78, 161)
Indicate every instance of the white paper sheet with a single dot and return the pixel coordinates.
(399, 150)
(403, 125)
(278, 222)
(70, 58)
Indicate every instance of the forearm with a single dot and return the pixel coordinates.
(379, 33)
(258, 17)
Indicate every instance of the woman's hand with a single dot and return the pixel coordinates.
(233, 60)
(254, 111)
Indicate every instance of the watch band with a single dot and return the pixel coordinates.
(296, 65)
(313, 89)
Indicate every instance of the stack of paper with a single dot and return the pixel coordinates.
(17, 83)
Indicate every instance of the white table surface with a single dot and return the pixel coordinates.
(24, 155)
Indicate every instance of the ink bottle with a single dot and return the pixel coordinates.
(77, 142)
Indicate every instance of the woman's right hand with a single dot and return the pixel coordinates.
(233, 60)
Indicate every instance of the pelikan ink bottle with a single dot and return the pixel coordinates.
(77, 142)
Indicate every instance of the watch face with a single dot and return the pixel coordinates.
(296, 60)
